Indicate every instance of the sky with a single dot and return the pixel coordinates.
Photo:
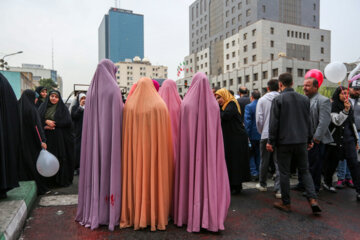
(31, 26)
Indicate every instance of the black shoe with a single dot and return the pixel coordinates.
(254, 178)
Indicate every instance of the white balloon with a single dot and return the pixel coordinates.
(335, 72)
(47, 164)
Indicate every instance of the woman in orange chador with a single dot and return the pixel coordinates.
(147, 160)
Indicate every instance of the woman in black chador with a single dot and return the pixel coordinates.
(77, 115)
(235, 140)
(55, 118)
(42, 93)
(9, 138)
(32, 140)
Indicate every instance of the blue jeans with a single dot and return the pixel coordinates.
(343, 171)
(255, 158)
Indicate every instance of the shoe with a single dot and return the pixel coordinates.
(261, 188)
(329, 188)
(3, 195)
(316, 210)
(278, 194)
(282, 207)
(340, 184)
(349, 183)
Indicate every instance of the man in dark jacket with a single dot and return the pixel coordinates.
(243, 100)
(290, 131)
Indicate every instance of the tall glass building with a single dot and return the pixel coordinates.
(121, 35)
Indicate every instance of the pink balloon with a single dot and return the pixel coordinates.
(315, 73)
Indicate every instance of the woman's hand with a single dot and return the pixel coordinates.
(50, 123)
(347, 105)
(43, 146)
(49, 128)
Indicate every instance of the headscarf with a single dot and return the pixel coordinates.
(147, 160)
(337, 105)
(27, 106)
(228, 97)
(38, 91)
(156, 85)
(99, 199)
(201, 172)
(51, 108)
(170, 95)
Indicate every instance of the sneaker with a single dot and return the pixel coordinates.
(282, 207)
(261, 188)
(314, 206)
(340, 184)
(329, 188)
(278, 194)
(349, 183)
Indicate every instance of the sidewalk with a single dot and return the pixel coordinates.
(15, 208)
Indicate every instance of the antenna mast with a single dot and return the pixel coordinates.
(52, 53)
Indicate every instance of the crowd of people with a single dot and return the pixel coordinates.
(157, 156)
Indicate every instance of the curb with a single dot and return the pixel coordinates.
(16, 208)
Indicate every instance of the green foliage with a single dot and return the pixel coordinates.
(48, 83)
(325, 91)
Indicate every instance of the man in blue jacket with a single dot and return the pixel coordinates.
(254, 135)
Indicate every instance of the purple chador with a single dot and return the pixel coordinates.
(202, 191)
(100, 161)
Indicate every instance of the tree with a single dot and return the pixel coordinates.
(48, 83)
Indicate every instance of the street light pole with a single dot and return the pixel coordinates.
(4, 64)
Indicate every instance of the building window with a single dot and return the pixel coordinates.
(248, 12)
(288, 33)
(271, 43)
(206, 64)
(239, 80)
(227, 56)
(224, 83)
(247, 2)
(308, 36)
(314, 6)
(272, 56)
(289, 70)
(233, 42)
(245, 60)
(227, 2)
(245, 35)
(233, 21)
(227, 34)
(227, 13)
(233, 54)
(239, 5)
(322, 50)
(239, 17)
(245, 48)
(233, 10)
(264, 74)
(300, 72)
(205, 55)
(190, 60)
(254, 58)
(231, 82)
(234, 65)
(254, 45)
(292, 33)
(296, 34)
(275, 72)
(263, 8)
(253, 32)
(227, 24)
(272, 30)
(314, 18)
(322, 38)
(201, 66)
(228, 67)
(247, 78)
(255, 76)
(233, 31)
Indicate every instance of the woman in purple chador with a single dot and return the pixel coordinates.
(100, 161)
(202, 191)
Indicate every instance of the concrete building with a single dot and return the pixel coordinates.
(121, 35)
(212, 21)
(131, 70)
(37, 70)
(19, 81)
